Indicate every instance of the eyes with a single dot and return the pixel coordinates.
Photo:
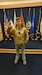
(19, 21)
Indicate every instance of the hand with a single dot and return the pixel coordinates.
(7, 35)
(12, 35)
(26, 40)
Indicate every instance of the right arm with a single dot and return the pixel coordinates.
(12, 31)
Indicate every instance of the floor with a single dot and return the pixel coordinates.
(33, 67)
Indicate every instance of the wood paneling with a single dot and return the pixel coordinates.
(19, 3)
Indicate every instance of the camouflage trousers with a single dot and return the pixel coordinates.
(22, 46)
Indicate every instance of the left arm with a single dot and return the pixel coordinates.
(26, 35)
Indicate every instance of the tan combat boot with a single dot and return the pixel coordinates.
(16, 59)
(24, 62)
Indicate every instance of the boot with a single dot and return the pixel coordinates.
(16, 59)
(24, 62)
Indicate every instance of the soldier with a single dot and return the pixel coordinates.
(20, 36)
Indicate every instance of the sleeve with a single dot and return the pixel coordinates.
(12, 32)
(26, 36)
(7, 33)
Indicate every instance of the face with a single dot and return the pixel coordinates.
(18, 22)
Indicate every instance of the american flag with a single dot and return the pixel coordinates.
(5, 23)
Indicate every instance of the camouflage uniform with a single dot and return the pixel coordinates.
(20, 37)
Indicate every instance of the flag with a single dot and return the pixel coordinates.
(39, 20)
(1, 33)
(32, 25)
(22, 18)
(5, 22)
(32, 30)
(9, 18)
(38, 31)
(28, 23)
(14, 16)
(41, 27)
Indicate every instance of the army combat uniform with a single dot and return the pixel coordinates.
(20, 37)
